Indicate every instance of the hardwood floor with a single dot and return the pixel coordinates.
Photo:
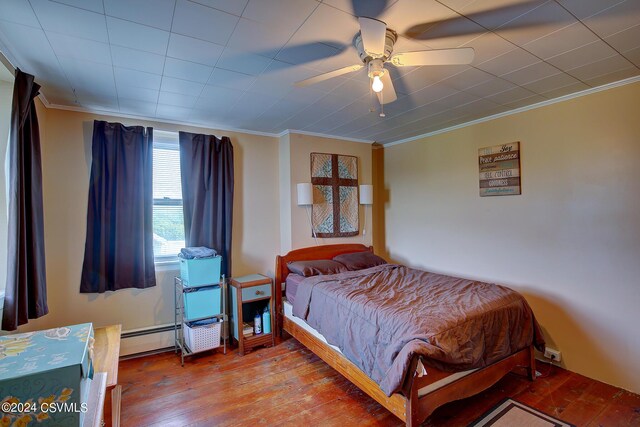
(289, 385)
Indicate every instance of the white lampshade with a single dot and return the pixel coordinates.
(366, 194)
(305, 194)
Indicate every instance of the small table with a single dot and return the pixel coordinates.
(106, 354)
(251, 294)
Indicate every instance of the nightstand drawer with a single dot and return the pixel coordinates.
(256, 292)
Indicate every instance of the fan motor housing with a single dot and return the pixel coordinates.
(389, 41)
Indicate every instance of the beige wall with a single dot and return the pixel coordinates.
(301, 146)
(66, 160)
(6, 95)
(570, 243)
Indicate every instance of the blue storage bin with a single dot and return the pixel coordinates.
(199, 272)
(201, 302)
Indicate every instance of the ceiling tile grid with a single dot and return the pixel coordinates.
(232, 64)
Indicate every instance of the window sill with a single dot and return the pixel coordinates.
(170, 264)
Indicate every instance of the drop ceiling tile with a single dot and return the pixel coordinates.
(214, 112)
(154, 13)
(137, 60)
(600, 68)
(491, 87)
(99, 102)
(88, 77)
(340, 33)
(426, 76)
(231, 79)
(84, 49)
(539, 22)
(344, 58)
(305, 53)
(353, 88)
(60, 97)
(489, 46)
(243, 61)
(415, 16)
(270, 12)
(136, 93)
(524, 102)
(493, 13)
(173, 112)
(582, 56)
(509, 96)
(127, 77)
(19, 12)
(633, 55)
(30, 50)
(170, 84)
(361, 8)
(139, 108)
(531, 73)
(508, 62)
(252, 104)
(194, 50)
(551, 83)
(234, 7)
(217, 94)
(201, 22)
(186, 70)
(70, 20)
(614, 76)
(615, 19)
(91, 5)
(565, 90)
(430, 94)
(262, 39)
(137, 36)
(454, 33)
(625, 40)
(468, 78)
(585, 8)
(178, 99)
(561, 41)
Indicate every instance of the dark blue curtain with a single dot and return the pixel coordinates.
(26, 289)
(206, 165)
(118, 250)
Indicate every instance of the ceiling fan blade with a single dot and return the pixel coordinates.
(371, 8)
(373, 33)
(325, 76)
(463, 55)
(388, 93)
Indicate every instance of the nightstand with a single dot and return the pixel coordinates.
(250, 295)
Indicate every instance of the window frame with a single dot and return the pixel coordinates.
(169, 141)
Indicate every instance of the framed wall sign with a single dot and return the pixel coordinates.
(500, 170)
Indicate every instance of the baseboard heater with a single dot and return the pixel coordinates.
(145, 341)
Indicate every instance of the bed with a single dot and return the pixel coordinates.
(424, 386)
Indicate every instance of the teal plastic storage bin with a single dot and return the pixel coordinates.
(201, 302)
(199, 272)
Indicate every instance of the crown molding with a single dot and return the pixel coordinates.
(322, 135)
(563, 98)
(153, 119)
(47, 104)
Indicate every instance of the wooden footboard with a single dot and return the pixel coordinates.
(414, 409)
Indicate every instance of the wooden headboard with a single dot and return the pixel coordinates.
(305, 254)
(314, 252)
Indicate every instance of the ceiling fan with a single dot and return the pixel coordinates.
(374, 44)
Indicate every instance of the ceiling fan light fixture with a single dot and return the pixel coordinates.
(377, 85)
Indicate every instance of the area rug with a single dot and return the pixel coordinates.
(510, 413)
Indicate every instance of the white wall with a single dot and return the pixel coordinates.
(570, 243)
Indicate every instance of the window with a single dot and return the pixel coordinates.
(168, 219)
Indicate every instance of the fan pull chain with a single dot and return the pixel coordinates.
(382, 105)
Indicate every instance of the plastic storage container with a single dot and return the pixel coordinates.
(203, 335)
(199, 272)
(201, 302)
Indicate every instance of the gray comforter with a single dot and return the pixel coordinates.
(382, 316)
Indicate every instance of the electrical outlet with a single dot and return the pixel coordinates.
(552, 354)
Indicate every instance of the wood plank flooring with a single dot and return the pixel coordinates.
(288, 385)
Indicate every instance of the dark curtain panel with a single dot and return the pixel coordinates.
(26, 291)
(118, 252)
(206, 165)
